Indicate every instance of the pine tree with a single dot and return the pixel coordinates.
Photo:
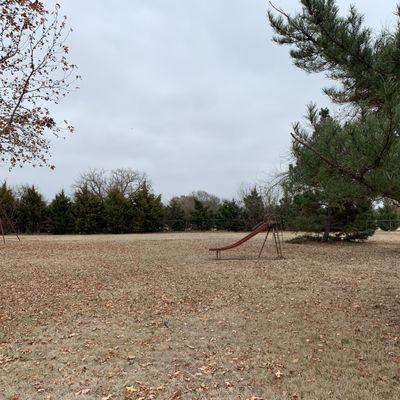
(8, 205)
(31, 211)
(211, 201)
(147, 210)
(388, 218)
(61, 218)
(323, 200)
(174, 215)
(254, 210)
(186, 202)
(202, 216)
(229, 216)
(88, 211)
(365, 147)
(118, 212)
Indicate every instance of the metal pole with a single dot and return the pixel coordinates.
(276, 243)
(2, 231)
(15, 229)
(262, 248)
(279, 245)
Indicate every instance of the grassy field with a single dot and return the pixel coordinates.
(157, 317)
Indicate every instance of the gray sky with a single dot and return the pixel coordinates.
(192, 92)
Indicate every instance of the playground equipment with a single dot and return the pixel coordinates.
(9, 222)
(261, 227)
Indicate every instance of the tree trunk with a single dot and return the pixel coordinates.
(328, 221)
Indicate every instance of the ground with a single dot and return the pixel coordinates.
(157, 317)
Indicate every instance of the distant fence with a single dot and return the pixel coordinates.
(387, 224)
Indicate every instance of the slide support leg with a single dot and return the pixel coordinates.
(262, 247)
(2, 231)
(278, 243)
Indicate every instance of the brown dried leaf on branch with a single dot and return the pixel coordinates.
(34, 73)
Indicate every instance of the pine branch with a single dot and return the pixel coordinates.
(334, 164)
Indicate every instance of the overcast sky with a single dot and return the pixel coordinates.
(192, 92)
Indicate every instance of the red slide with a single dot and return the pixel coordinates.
(259, 228)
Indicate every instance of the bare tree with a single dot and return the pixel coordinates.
(210, 200)
(95, 180)
(272, 192)
(34, 73)
(186, 202)
(100, 182)
(126, 180)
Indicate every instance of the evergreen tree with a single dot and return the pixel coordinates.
(88, 211)
(323, 200)
(254, 211)
(186, 203)
(118, 212)
(202, 216)
(388, 218)
(147, 210)
(61, 218)
(302, 211)
(31, 211)
(8, 205)
(211, 201)
(344, 220)
(174, 215)
(229, 216)
(365, 147)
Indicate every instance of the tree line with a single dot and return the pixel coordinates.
(341, 167)
(123, 201)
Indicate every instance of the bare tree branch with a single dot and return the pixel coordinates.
(34, 73)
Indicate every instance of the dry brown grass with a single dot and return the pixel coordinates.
(156, 317)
